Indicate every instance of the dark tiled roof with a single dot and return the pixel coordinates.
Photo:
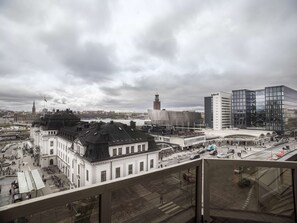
(101, 135)
(57, 120)
(71, 132)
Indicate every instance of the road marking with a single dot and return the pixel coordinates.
(167, 208)
(167, 212)
(164, 205)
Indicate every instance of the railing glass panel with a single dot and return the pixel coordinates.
(155, 200)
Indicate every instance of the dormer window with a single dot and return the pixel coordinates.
(114, 152)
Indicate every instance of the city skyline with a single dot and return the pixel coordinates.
(116, 56)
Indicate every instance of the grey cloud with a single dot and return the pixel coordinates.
(90, 60)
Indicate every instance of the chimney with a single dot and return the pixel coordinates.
(132, 124)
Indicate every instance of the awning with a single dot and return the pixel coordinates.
(29, 181)
(37, 179)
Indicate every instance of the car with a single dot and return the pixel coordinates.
(195, 157)
(222, 155)
(231, 151)
(213, 153)
(280, 153)
(286, 148)
(201, 151)
(211, 147)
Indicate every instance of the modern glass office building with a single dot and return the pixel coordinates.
(273, 108)
(260, 116)
(208, 111)
(243, 108)
(281, 108)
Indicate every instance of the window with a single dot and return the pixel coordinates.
(127, 150)
(51, 151)
(151, 163)
(120, 151)
(132, 149)
(141, 166)
(87, 175)
(130, 169)
(72, 178)
(78, 169)
(103, 175)
(51, 143)
(114, 152)
(118, 172)
(139, 148)
(143, 147)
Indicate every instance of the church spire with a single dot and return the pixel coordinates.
(33, 108)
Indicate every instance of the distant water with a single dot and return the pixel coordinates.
(139, 122)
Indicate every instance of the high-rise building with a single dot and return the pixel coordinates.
(243, 108)
(208, 111)
(33, 108)
(273, 108)
(281, 108)
(157, 103)
(219, 105)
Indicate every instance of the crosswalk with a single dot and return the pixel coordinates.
(169, 208)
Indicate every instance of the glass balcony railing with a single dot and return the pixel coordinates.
(208, 190)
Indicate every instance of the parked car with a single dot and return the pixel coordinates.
(280, 153)
(231, 151)
(195, 157)
(214, 152)
(222, 155)
(201, 151)
(211, 147)
(286, 148)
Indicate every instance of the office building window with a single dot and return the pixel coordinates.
(130, 169)
(141, 166)
(118, 172)
(151, 163)
(143, 147)
(87, 175)
(139, 148)
(120, 151)
(127, 150)
(103, 175)
(132, 149)
(51, 151)
(51, 143)
(78, 169)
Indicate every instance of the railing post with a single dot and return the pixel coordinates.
(105, 207)
(206, 191)
(198, 192)
(295, 191)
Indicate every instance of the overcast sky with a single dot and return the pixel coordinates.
(115, 55)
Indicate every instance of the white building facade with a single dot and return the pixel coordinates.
(221, 110)
(100, 152)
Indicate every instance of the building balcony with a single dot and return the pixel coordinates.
(208, 190)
